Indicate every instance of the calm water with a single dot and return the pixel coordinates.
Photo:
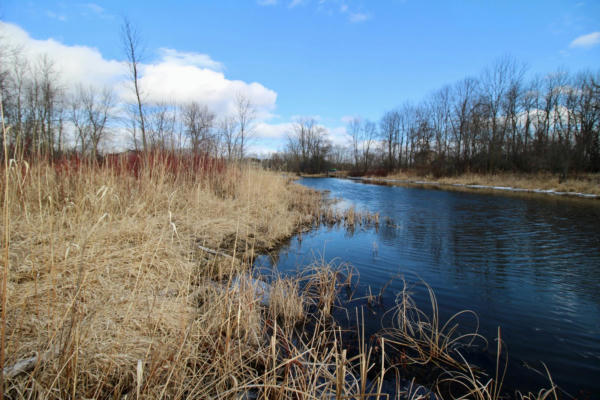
(528, 264)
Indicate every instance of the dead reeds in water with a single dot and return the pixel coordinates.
(423, 339)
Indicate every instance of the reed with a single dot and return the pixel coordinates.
(423, 339)
(124, 280)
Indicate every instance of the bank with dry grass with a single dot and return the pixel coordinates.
(129, 281)
(581, 185)
(105, 273)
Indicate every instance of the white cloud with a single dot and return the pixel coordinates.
(586, 41)
(265, 130)
(188, 58)
(339, 136)
(261, 151)
(267, 2)
(176, 76)
(185, 82)
(76, 64)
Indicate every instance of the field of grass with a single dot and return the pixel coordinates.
(129, 281)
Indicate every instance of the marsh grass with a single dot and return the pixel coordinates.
(108, 294)
(423, 339)
(579, 183)
(105, 278)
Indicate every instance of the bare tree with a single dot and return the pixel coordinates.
(91, 112)
(354, 128)
(245, 114)
(369, 134)
(308, 146)
(228, 132)
(390, 132)
(198, 122)
(131, 46)
(161, 118)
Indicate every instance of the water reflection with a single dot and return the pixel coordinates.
(528, 264)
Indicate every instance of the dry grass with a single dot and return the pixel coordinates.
(423, 339)
(104, 271)
(109, 296)
(582, 183)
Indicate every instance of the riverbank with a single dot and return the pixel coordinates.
(108, 293)
(133, 281)
(585, 185)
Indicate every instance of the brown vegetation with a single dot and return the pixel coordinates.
(582, 183)
(109, 294)
(104, 271)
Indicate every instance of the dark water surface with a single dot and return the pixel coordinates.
(530, 265)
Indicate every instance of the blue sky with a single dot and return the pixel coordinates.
(327, 58)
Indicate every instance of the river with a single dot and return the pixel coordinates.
(527, 264)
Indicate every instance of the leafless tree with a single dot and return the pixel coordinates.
(198, 123)
(161, 119)
(308, 145)
(132, 48)
(91, 113)
(355, 131)
(245, 114)
(229, 136)
(390, 134)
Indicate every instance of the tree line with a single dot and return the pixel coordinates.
(49, 118)
(497, 121)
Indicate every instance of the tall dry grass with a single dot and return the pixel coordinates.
(104, 272)
(581, 183)
(135, 282)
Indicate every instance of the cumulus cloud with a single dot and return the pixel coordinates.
(174, 80)
(175, 76)
(265, 130)
(76, 64)
(586, 41)
(339, 136)
(189, 58)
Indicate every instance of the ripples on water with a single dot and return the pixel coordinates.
(528, 264)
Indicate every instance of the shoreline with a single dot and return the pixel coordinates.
(466, 186)
(584, 187)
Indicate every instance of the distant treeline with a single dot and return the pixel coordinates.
(498, 121)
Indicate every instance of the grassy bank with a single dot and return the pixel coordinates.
(105, 272)
(109, 294)
(580, 184)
